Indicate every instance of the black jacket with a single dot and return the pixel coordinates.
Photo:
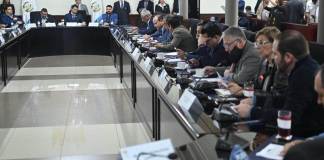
(162, 10)
(312, 149)
(150, 6)
(123, 13)
(301, 100)
(50, 19)
(295, 11)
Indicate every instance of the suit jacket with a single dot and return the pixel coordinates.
(162, 10)
(50, 19)
(84, 7)
(108, 18)
(69, 18)
(248, 66)
(175, 6)
(147, 28)
(123, 13)
(8, 21)
(295, 11)
(182, 39)
(311, 149)
(150, 6)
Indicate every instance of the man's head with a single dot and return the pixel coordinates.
(158, 21)
(173, 21)
(248, 9)
(44, 12)
(212, 33)
(74, 9)
(109, 9)
(289, 47)
(319, 86)
(8, 10)
(234, 37)
(146, 15)
(77, 1)
(200, 26)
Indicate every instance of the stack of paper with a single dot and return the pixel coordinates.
(272, 151)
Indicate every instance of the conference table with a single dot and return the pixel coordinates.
(156, 106)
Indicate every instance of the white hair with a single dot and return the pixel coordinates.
(145, 12)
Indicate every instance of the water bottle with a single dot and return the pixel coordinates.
(238, 153)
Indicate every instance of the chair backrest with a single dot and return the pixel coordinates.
(193, 26)
(33, 16)
(316, 51)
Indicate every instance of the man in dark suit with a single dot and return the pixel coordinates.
(44, 17)
(312, 148)
(109, 17)
(148, 26)
(145, 4)
(73, 16)
(175, 9)
(122, 8)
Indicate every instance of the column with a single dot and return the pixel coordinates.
(320, 29)
(231, 12)
(183, 6)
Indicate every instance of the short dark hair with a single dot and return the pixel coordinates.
(109, 6)
(7, 6)
(174, 21)
(248, 8)
(202, 23)
(293, 42)
(43, 10)
(160, 17)
(74, 5)
(211, 29)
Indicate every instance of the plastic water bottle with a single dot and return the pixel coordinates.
(238, 153)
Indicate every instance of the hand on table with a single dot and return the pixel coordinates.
(194, 62)
(243, 109)
(209, 70)
(181, 54)
(235, 89)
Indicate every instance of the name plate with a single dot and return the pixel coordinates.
(93, 24)
(50, 25)
(190, 105)
(163, 79)
(148, 65)
(2, 40)
(31, 25)
(136, 54)
(73, 24)
(14, 33)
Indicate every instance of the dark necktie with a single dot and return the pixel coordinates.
(121, 4)
(108, 18)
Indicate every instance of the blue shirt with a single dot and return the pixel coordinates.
(148, 28)
(162, 35)
(108, 18)
(7, 20)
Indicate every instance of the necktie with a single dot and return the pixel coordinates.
(145, 4)
(108, 20)
(121, 4)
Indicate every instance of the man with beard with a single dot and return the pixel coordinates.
(243, 55)
(292, 57)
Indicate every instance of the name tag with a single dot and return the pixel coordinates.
(72, 24)
(31, 25)
(148, 65)
(2, 40)
(136, 54)
(190, 105)
(163, 79)
(50, 25)
(92, 24)
(14, 33)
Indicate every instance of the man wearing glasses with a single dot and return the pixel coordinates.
(243, 56)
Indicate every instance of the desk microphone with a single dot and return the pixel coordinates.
(170, 156)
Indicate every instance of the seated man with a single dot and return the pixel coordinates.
(73, 16)
(243, 55)
(109, 17)
(300, 97)
(8, 19)
(162, 34)
(312, 147)
(211, 51)
(182, 38)
(148, 27)
(44, 17)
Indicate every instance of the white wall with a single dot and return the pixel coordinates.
(61, 7)
(216, 6)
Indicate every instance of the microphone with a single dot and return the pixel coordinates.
(170, 156)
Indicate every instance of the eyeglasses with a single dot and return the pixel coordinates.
(259, 44)
(228, 45)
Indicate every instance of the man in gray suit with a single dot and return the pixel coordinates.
(243, 55)
(81, 6)
(182, 38)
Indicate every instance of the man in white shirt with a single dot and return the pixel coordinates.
(310, 12)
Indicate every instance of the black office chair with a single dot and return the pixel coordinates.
(193, 26)
(316, 51)
(33, 16)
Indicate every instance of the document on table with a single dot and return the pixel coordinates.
(272, 151)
